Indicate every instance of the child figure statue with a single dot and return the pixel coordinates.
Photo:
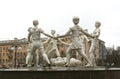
(35, 41)
(74, 32)
(52, 45)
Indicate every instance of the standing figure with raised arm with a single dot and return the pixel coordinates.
(74, 32)
(52, 45)
(34, 37)
(94, 42)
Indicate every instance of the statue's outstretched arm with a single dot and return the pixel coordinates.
(63, 42)
(87, 39)
(86, 33)
(47, 35)
(47, 41)
(66, 34)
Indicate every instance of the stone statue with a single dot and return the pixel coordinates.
(94, 42)
(36, 43)
(52, 45)
(74, 32)
(62, 61)
(59, 61)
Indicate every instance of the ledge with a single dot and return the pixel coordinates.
(61, 73)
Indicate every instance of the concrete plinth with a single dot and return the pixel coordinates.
(61, 73)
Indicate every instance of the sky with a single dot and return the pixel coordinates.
(16, 17)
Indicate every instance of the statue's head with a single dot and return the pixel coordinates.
(53, 32)
(75, 20)
(97, 24)
(35, 22)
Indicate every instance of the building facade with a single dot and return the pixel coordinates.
(9, 54)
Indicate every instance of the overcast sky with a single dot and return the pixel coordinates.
(16, 17)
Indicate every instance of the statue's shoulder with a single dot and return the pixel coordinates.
(29, 29)
(40, 30)
(72, 28)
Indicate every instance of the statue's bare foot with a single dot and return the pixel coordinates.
(37, 65)
(49, 65)
(89, 65)
(28, 66)
(67, 65)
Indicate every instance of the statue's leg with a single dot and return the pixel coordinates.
(83, 48)
(68, 53)
(92, 57)
(81, 51)
(77, 54)
(57, 52)
(45, 57)
(49, 53)
(37, 58)
(28, 54)
(29, 57)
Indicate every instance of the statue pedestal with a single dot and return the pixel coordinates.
(61, 73)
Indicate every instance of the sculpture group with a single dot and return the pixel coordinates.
(77, 36)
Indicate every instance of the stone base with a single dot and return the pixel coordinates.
(61, 73)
